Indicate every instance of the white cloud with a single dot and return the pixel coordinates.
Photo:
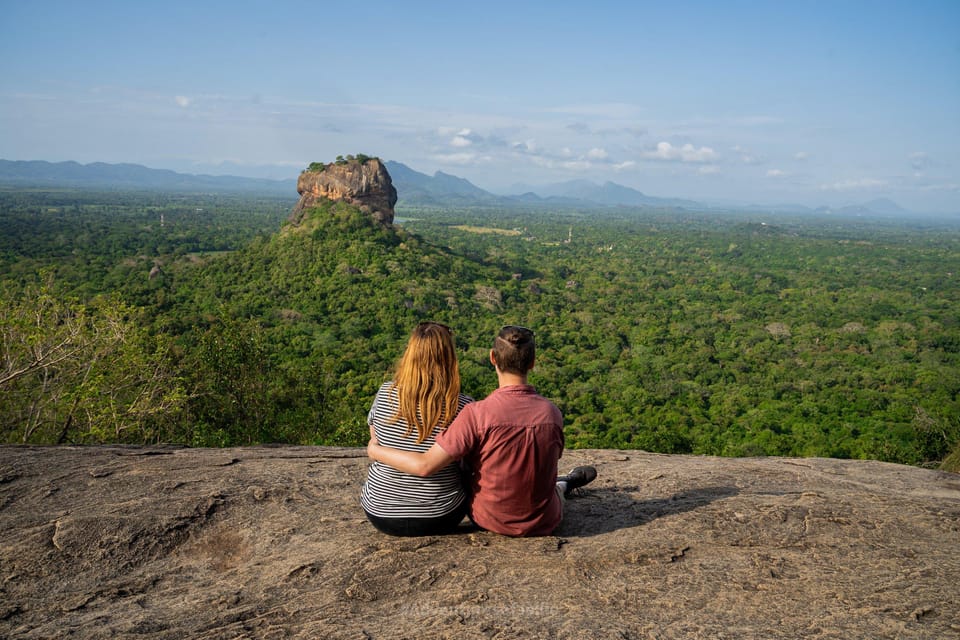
(457, 158)
(627, 164)
(746, 156)
(919, 160)
(464, 136)
(527, 146)
(182, 101)
(801, 155)
(612, 110)
(853, 185)
(597, 154)
(949, 186)
(542, 162)
(686, 153)
(775, 173)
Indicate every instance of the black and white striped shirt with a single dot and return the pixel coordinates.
(389, 493)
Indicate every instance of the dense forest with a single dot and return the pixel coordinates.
(209, 321)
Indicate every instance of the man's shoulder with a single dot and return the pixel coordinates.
(504, 404)
(537, 397)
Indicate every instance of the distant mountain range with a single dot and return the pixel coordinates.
(414, 189)
(610, 194)
(39, 173)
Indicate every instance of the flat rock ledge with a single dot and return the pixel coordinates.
(270, 542)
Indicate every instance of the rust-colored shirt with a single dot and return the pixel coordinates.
(511, 441)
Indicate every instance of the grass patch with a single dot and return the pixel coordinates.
(493, 230)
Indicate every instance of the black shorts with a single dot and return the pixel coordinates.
(439, 525)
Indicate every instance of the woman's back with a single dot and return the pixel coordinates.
(389, 493)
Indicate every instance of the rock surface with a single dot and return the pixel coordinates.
(366, 185)
(270, 542)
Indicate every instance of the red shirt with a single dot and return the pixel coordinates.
(511, 441)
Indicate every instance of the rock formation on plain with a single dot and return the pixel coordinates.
(364, 183)
(270, 542)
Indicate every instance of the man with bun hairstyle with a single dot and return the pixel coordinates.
(509, 444)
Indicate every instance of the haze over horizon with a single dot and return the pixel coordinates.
(813, 103)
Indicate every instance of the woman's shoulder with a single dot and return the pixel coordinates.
(386, 396)
(388, 388)
(463, 400)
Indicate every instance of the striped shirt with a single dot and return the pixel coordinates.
(389, 493)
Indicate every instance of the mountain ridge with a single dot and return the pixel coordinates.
(126, 175)
(419, 188)
(414, 189)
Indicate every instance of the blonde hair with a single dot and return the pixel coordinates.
(428, 380)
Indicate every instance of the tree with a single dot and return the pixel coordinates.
(82, 373)
(231, 377)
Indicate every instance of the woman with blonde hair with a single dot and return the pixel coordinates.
(408, 413)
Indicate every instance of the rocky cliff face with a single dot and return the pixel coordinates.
(365, 184)
(270, 542)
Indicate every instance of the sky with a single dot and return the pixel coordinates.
(775, 102)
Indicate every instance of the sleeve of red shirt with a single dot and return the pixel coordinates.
(460, 437)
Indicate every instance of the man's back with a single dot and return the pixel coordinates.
(511, 442)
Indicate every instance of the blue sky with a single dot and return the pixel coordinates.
(749, 102)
